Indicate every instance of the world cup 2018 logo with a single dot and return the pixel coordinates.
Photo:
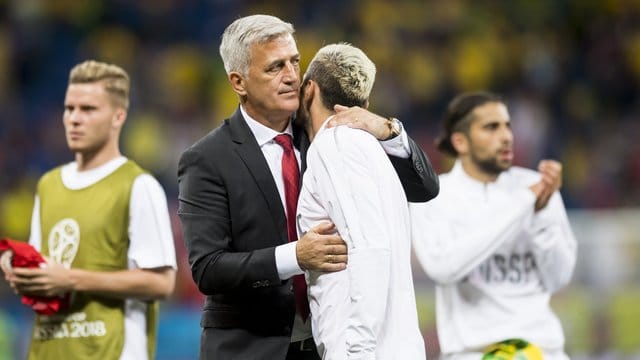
(64, 240)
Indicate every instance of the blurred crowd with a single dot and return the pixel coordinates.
(568, 69)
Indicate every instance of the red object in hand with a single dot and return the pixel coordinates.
(25, 255)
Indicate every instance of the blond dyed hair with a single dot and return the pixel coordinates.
(115, 80)
(344, 74)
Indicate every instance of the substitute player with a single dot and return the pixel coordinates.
(103, 223)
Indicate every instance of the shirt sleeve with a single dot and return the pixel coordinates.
(151, 239)
(554, 244)
(398, 146)
(35, 237)
(346, 155)
(450, 240)
(287, 261)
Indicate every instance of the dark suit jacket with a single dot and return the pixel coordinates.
(232, 220)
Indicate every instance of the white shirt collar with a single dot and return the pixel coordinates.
(459, 172)
(263, 134)
(324, 125)
(74, 179)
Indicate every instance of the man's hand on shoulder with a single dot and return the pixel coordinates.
(322, 249)
(359, 118)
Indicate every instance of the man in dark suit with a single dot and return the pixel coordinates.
(232, 201)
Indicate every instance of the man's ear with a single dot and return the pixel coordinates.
(237, 83)
(119, 118)
(460, 142)
(309, 89)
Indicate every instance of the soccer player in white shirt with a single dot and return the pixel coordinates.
(496, 240)
(367, 311)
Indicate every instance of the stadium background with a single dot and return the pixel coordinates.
(569, 71)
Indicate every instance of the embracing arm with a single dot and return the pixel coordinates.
(217, 261)
(206, 227)
(419, 180)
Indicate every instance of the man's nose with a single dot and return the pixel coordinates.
(290, 72)
(73, 117)
(507, 135)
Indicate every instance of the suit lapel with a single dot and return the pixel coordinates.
(253, 158)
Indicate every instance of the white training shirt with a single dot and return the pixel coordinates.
(496, 262)
(367, 311)
(150, 239)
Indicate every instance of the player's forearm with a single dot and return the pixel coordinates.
(449, 253)
(143, 284)
(554, 245)
(556, 263)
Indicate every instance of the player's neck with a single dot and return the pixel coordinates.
(476, 172)
(318, 116)
(93, 159)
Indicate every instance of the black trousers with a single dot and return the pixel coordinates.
(303, 350)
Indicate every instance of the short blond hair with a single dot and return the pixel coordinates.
(344, 73)
(115, 79)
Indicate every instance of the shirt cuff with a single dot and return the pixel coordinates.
(287, 261)
(398, 146)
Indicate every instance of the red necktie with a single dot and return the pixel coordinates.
(291, 178)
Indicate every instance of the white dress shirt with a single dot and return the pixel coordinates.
(495, 261)
(367, 311)
(150, 239)
(286, 260)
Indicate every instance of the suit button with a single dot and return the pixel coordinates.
(255, 285)
(291, 288)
